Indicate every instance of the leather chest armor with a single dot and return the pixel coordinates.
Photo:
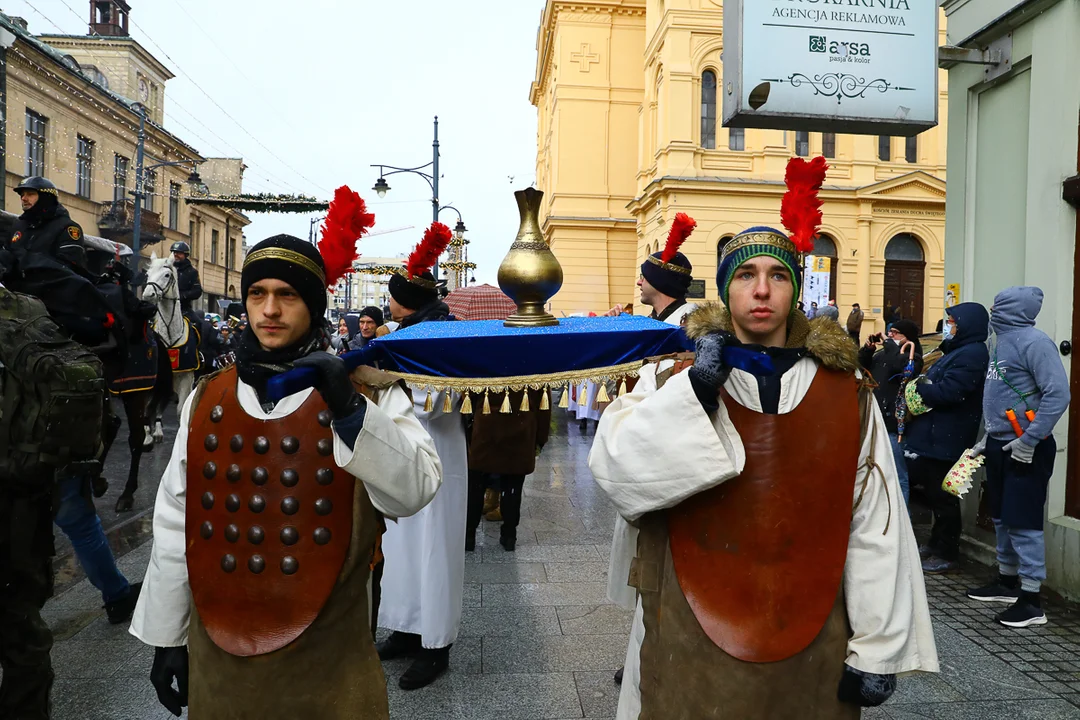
(741, 585)
(268, 521)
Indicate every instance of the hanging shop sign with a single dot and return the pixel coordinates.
(844, 66)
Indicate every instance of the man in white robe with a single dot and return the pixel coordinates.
(660, 446)
(323, 646)
(664, 286)
(423, 577)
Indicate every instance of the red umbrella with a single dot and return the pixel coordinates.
(480, 302)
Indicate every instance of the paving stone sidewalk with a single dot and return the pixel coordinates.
(539, 640)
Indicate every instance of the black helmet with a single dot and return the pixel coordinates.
(37, 184)
(180, 247)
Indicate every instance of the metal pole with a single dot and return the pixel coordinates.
(435, 185)
(228, 258)
(136, 235)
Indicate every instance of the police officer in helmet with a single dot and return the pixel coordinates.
(45, 227)
(187, 278)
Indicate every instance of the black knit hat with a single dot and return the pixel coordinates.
(907, 328)
(671, 278)
(415, 293)
(291, 260)
(375, 314)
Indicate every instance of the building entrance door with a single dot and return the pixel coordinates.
(905, 272)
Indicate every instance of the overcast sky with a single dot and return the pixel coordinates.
(322, 89)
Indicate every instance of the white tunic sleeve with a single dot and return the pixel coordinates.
(655, 448)
(394, 456)
(883, 580)
(161, 615)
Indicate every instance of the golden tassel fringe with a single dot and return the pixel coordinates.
(602, 394)
(505, 409)
(564, 402)
(447, 405)
(487, 404)
(622, 387)
(545, 403)
(466, 404)
(429, 405)
(525, 401)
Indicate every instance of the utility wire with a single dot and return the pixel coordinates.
(271, 178)
(223, 110)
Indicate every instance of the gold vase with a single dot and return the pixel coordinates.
(530, 274)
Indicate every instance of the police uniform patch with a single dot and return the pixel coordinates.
(74, 232)
(16, 237)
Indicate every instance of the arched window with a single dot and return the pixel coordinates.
(708, 110)
(720, 245)
(904, 246)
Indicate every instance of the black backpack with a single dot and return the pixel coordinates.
(51, 394)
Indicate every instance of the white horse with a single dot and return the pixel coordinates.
(162, 291)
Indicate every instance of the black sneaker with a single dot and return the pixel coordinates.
(618, 676)
(1005, 590)
(1025, 612)
(398, 645)
(925, 552)
(120, 611)
(429, 664)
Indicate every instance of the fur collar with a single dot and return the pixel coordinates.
(823, 338)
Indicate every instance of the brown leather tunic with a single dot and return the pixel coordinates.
(741, 585)
(279, 544)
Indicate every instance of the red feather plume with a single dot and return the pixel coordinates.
(426, 254)
(681, 228)
(800, 210)
(346, 222)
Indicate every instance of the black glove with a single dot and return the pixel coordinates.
(334, 384)
(170, 663)
(710, 372)
(709, 365)
(865, 689)
(8, 262)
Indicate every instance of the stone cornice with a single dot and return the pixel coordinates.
(91, 42)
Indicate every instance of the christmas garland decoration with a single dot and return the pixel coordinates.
(263, 203)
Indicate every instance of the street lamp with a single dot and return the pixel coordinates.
(193, 180)
(382, 187)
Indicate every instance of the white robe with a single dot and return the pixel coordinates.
(393, 456)
(624, 540)
(424, 577)
(586, 408)
(632, 460)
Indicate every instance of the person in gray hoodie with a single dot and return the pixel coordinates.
(1026, 393)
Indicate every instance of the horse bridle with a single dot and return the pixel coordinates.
(161, 296)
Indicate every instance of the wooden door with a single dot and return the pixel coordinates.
(904, 288)
(1071, 195)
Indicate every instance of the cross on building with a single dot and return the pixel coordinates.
(586, 58)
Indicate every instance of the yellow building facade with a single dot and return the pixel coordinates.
(628, 135)
(70, 119)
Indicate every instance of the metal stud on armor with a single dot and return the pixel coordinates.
(272, 608)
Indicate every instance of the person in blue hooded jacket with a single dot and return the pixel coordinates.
(952, 392)
(1026, 380)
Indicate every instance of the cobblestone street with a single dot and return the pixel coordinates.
(539, 640)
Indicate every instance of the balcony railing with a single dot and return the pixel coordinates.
(116, 221)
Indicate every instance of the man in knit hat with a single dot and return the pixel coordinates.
(423, 578)
(256, 597)
(775, 579)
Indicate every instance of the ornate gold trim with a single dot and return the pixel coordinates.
(276, 253)
(422, 282)
(760, 238)
(669, 266)
(520, 382)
